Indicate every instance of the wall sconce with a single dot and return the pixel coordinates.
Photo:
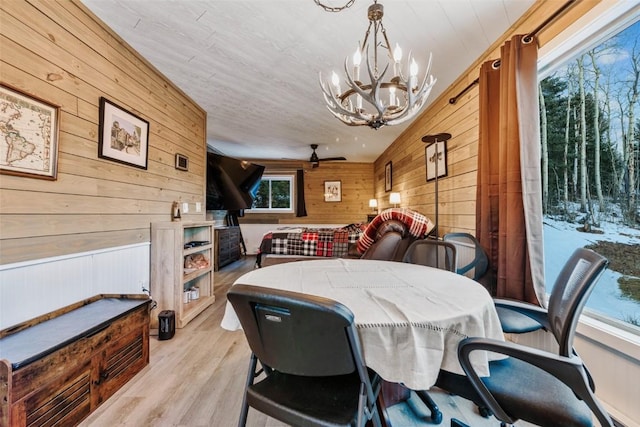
(373, 204)
(394, 198)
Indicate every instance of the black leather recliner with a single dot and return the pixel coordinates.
(391, 242)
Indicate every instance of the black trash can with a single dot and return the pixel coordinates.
(166, 324)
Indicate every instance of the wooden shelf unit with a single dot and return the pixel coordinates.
(170, 279)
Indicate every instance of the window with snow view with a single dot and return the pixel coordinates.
(590, 136)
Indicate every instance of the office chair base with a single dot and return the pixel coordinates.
(436, 415)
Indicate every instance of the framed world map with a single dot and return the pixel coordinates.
(28, 135)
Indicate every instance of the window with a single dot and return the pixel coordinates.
(274, 194)
(590, 122)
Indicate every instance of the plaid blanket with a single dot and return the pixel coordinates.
(322, 242)
(418, 225)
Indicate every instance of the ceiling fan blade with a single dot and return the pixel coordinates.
(330, 159)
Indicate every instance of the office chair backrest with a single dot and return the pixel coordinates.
(433, 253)
(570, 293)
(296, 333)
(473, 261)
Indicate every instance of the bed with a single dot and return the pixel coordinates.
(292, 244)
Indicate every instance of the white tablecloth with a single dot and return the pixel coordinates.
(410, 318)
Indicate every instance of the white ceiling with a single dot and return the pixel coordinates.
(253, 65)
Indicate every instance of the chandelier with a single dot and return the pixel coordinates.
(389, 102)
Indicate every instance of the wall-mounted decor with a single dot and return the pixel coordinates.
(124, 137)
(333, 191)
(29, 134)
(388, 178)
(430, 156)
(182, 162)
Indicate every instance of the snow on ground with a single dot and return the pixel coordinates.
(562, 238)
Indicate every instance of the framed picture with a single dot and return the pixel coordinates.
(388, 177)
(182, 162)
(124, 137)
(431, 155)
(29, 134)
(333, 191)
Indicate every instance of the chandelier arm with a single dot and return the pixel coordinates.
(336, 107)
(374, 95)
(348, 120)
(419, 102)
(329, 96)
(370, 96)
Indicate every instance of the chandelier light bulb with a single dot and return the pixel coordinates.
(413, 69)
(397, 53)
(335, 80)
(357, 57)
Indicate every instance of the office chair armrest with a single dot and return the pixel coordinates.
(570, 371)
(534, 312)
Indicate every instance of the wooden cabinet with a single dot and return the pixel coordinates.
(187, 291)
(227, 246)
(59, 368)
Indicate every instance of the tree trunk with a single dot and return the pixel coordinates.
(544, 152)
(583, 137)
(615, 191)
(631, 164)
(596, 131)
(565, 154)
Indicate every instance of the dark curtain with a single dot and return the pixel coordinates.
(509, 203)
(301, 207)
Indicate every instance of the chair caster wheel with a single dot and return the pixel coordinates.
(436, 417)
(484, 411)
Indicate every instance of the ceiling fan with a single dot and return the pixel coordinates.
(315, 161)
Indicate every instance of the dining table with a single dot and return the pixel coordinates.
(410, 318)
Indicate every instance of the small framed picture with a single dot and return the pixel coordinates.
(124, 137)
(333, 191)
(29, 135)
(436, 168)
(182, 162)
(388, 177)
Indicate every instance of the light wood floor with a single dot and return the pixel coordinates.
(196, 379)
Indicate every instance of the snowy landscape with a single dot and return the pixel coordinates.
(562, 238)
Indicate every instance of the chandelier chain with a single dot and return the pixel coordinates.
(348, 4)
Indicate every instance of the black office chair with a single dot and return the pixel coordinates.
(537, 386)
(433, 253)
(473, 261)
(518, 318)
(438, 254)
(313, 372)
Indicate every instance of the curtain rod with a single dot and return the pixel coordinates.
(533, 33)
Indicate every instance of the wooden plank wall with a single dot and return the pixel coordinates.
(357, 189)
(457, 192)
(61, 53)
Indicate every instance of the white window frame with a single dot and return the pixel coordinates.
(292, 188)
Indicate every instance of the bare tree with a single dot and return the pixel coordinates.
(596, 128)
(607, 110)
(565, 154)
(583, 136)
(544, 151)
(631, 159)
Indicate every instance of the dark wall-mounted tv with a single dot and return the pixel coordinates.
(231, 183)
